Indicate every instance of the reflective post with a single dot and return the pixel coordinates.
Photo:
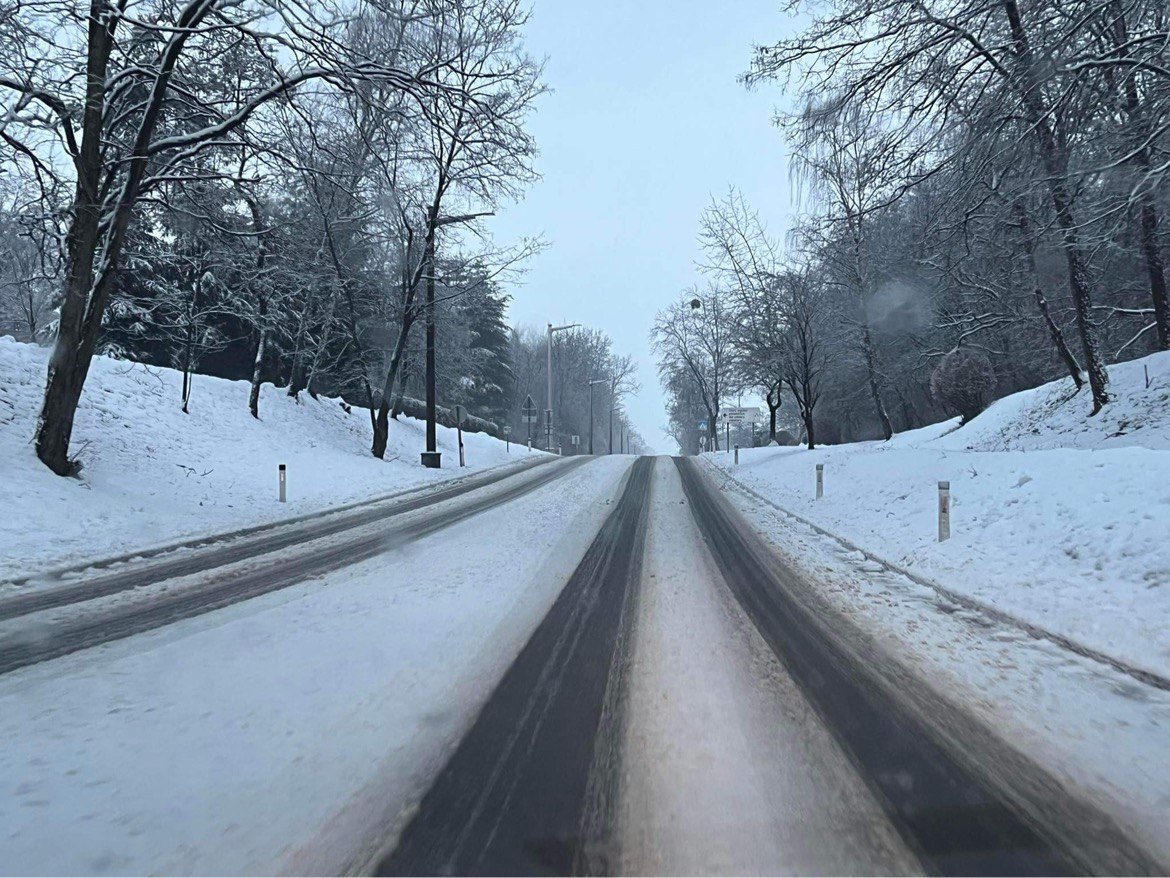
(820, 480)
(944, 511)
(282, 481)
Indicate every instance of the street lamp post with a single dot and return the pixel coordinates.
(432, 456)
(591, 383)
(548, 412)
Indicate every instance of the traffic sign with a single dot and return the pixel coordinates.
(742, 415)
(530, 411)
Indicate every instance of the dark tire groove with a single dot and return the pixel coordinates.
(87, 632)
(954, 822)
(516, 794)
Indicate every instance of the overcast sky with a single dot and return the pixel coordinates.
(645, 123)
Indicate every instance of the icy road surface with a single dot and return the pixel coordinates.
(593, 666)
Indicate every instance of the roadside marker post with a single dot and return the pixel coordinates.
(944, 511)
(282, 481)
(459, 432)
(737, 455)
(507, 439)
(820, 480)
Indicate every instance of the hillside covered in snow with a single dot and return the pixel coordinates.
(152, 474)
(1059, 518)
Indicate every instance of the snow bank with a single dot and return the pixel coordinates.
(1058, 518)
(153, 474)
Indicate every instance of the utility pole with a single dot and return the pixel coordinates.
(432, 456)
(591, 383)
(548, 412)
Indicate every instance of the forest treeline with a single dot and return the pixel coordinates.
(275, 192)
(983, 191)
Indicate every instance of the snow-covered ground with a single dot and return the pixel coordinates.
(1058, 518)
(153, 475)
(289, 733)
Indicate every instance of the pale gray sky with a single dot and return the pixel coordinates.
(645, 123)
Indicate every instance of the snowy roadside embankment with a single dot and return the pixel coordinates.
(1058, 518)
(153, 475)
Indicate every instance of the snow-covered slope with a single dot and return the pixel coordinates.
(1058, 517)
(153, 474)
(1056, 416)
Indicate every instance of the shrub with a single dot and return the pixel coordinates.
(964, 380)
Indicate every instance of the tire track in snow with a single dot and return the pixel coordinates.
(955, 823)
(520, 795)
(242, 544)
(88, 630)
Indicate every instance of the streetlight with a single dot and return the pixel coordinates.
(696, 306)
(591, 383)
(548, 412)
(432, 456)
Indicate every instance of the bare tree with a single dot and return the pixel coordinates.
(144, 113)
(694, 337)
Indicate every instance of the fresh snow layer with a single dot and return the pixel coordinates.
(153, 475)
(290, 733)
(1058, 518)
(1099, 732)
(726, 767)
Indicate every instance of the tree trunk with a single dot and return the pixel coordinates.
(73, 350)
(1054, 331)
(257, 370)
(1155, 269)
(1148, 213)
(871, 375)
(322, 345)
(773, 408)
(1055, 164)
(382, 423)
(296, 375)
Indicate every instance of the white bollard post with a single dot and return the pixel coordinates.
(737, 455)
(282, 481)
(820, 480)
(944, 511)
(529, 444)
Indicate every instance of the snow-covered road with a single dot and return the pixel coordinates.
(284, 733)
(606, 670)
(728, 770)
